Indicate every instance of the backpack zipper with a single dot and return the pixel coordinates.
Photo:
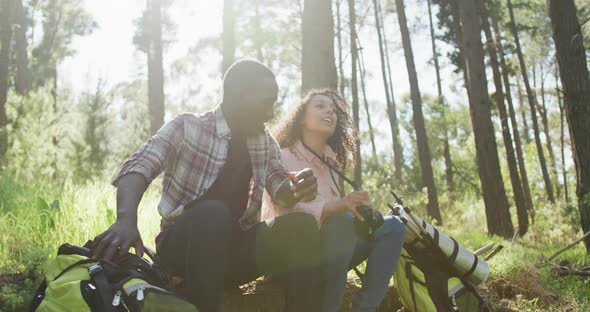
(117, 298)
(139, 295)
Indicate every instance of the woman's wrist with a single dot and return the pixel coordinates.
(335, 206)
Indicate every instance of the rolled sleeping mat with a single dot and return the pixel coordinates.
(468, 265)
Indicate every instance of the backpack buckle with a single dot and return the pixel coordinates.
(95, 268)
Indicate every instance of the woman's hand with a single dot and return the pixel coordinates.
(349, 202)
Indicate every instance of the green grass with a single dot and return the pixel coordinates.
(42, 217)
(36, 218)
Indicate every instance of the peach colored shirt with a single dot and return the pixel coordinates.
(296, 158)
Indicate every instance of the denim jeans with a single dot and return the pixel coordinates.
(204, 247)
(343, 250)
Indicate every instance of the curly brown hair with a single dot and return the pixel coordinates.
(344, 139)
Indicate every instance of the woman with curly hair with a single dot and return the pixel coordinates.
(319, 131)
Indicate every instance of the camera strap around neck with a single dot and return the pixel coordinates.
(333, 169)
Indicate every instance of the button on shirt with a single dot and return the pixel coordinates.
(191, 150)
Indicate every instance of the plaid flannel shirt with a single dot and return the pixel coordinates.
(191, 150)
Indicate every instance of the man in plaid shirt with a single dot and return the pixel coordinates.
(216, 167)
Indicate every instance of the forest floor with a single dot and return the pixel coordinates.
(36, 219)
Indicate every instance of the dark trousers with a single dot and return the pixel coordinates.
(205, 247)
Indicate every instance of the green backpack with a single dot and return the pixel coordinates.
(424, 283)
(76, 282)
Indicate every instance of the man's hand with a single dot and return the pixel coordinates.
(304, 185)
(121, 236)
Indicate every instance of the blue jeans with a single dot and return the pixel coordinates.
(343, 250)
(203, 248)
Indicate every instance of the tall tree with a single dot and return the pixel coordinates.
(398, 157)
(228, 37)
(62, 21)
(361, 66)
(513, 121)
(317, 50)
(441, 103)
(522, 109)
(488, 164)
(339, 40)
(575, 80)
(155, 66)
(390, 101)
(419, 125)
(561, 134)
(7, 14)
(532, 105)
(354, 89)
(258, 31)
(23, 75)
(519, 199)
(545, 121)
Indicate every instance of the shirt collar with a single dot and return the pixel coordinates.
(221, 125)
(309, 156)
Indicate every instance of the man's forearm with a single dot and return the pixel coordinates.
(130, 189)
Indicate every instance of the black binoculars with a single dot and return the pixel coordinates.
(373, 221)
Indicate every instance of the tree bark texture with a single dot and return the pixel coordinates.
(318, 62)
(561, 135)
(532, 105)
(228, 37)
(575, 80)
(441, 103)
(519, 200)
(418, 118)
(7, 15)
(354, 90)
(361, 65)
(488, 164)
(155, 67)
(398, 155)
(391, 110)
(23, 74)
(513, 121)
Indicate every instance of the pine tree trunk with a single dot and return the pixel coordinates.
(488, 164)
(391, 111)
(441, 103)
(23, 76)
(513, 121)
(318, 62)
(258, 34)
(519, 200)
(6, 12)
(155, 67)
(228, 37)
(354, 90)
(418, 118)
(398, 157)
(522, 109)
(545, 121)
(575, 80)
(532, 104)
(339, 41)
(361, 64)
(561, 135)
